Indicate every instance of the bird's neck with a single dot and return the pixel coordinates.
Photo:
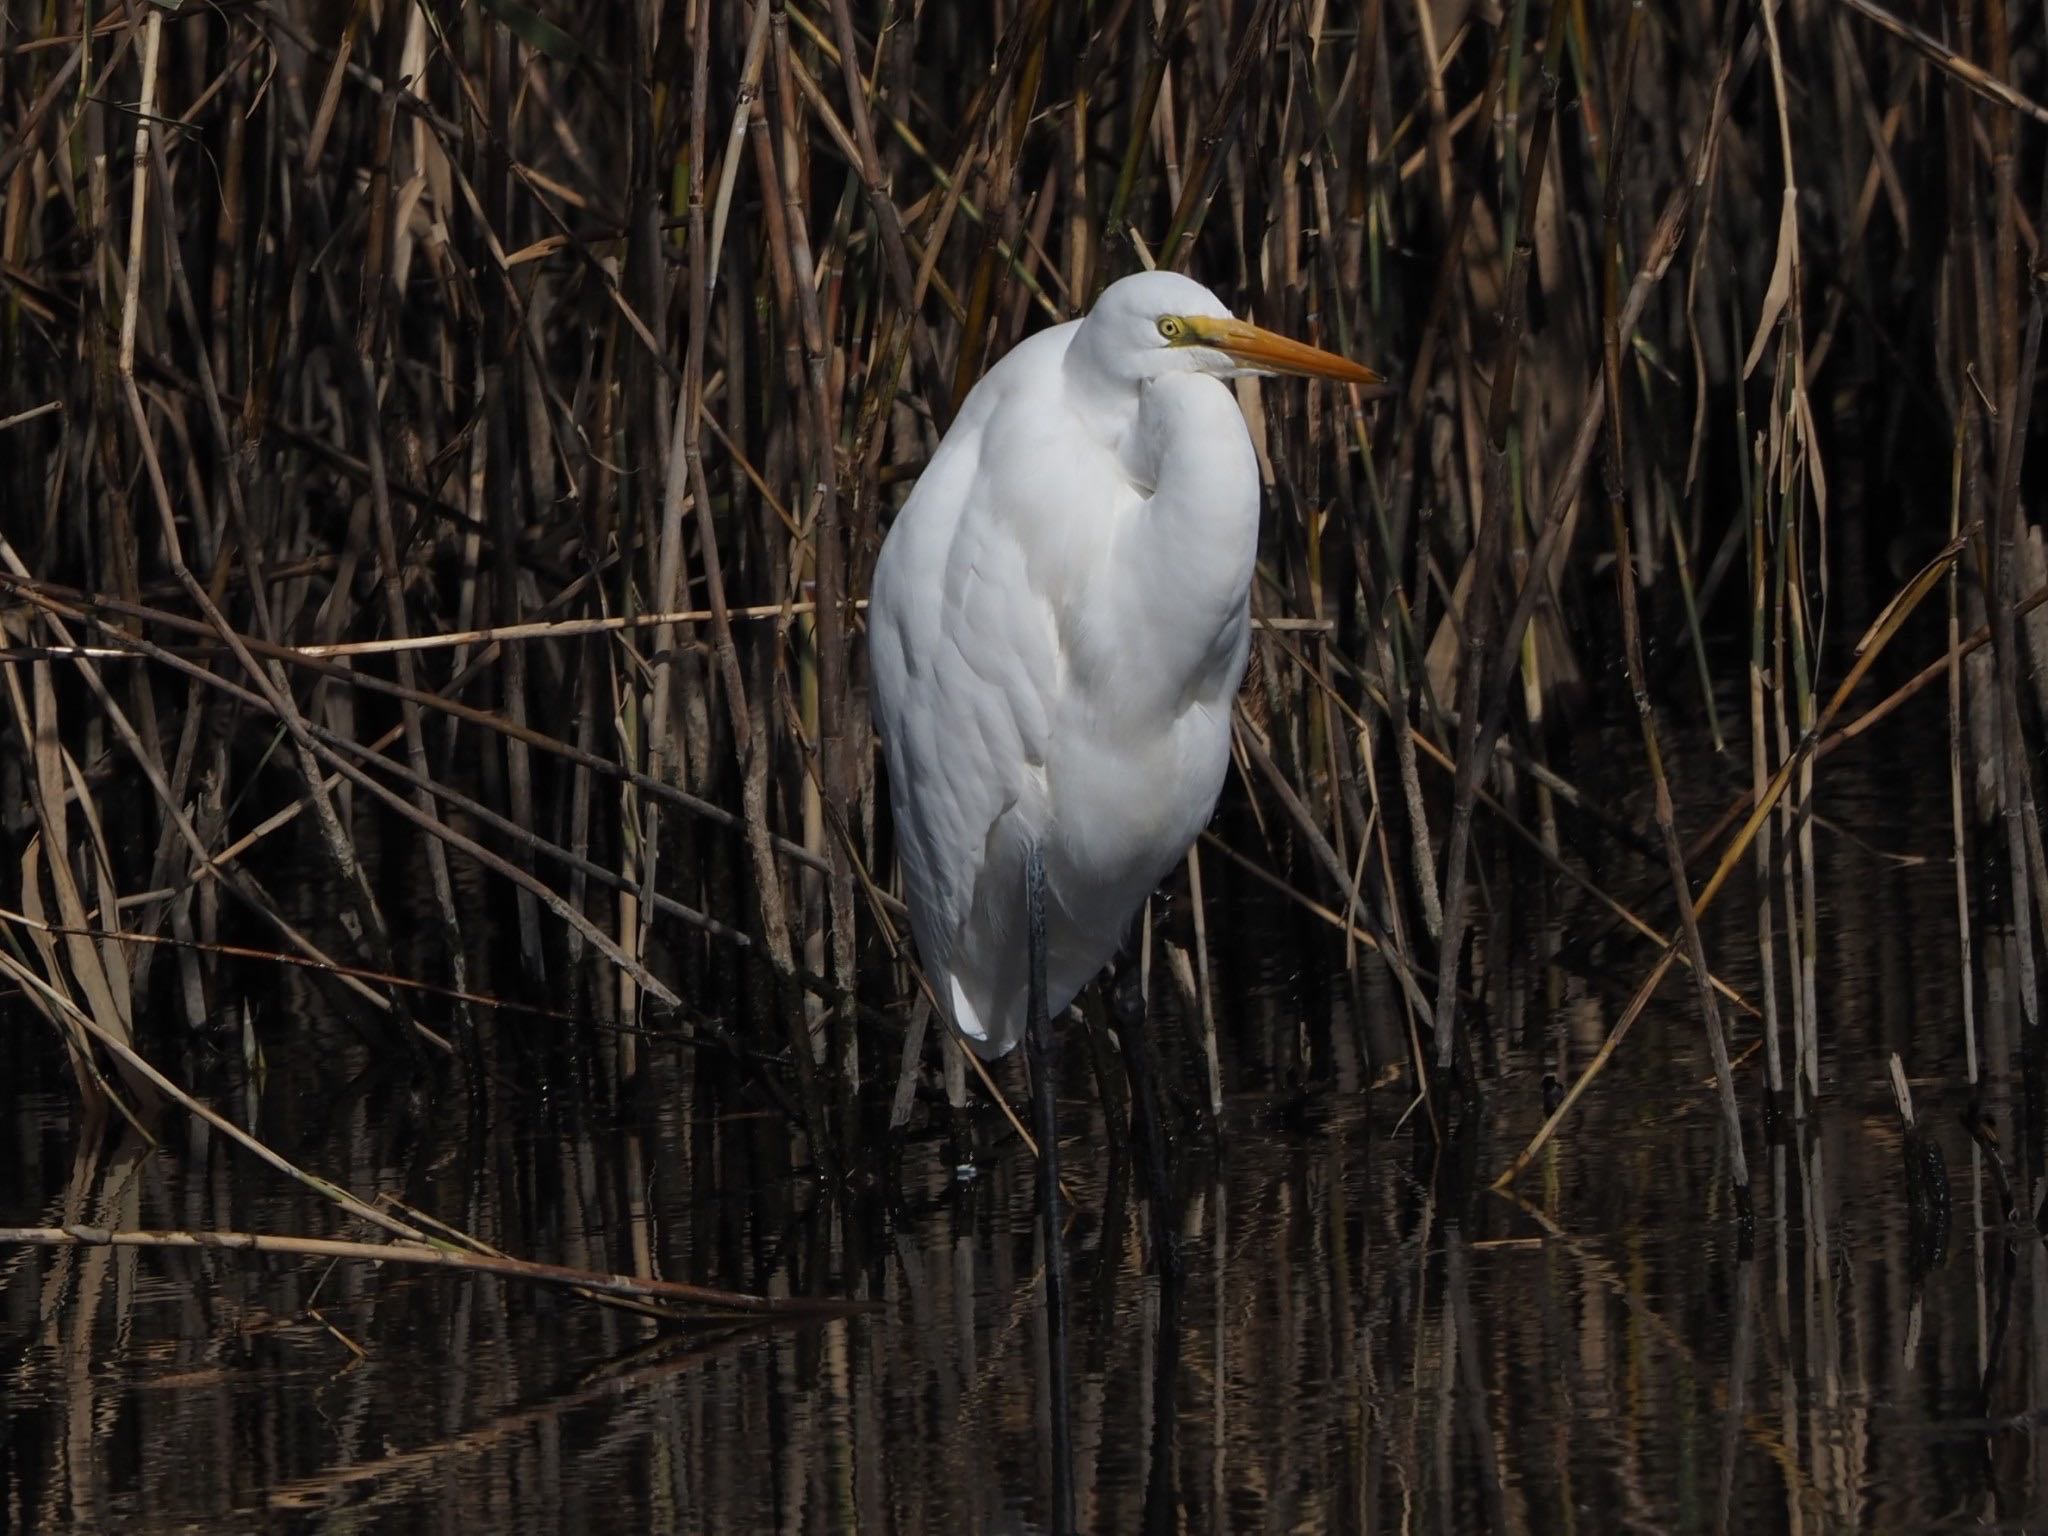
(1106, 402)
(1143, 423)
(1185, 551)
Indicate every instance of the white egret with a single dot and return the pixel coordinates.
(1058, 626)
(1057, 629)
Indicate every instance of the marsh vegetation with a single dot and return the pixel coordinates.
(443, 449)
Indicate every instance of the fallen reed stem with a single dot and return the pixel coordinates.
(702, 1300)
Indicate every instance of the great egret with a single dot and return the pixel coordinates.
(1057, 629)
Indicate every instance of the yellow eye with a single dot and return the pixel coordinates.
(1172, 327)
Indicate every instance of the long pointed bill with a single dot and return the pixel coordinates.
(1251, 347)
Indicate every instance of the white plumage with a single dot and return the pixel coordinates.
(1058, 625)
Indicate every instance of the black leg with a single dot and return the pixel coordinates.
(1162, 1497)
(1131, 1034)
(1039, 1043)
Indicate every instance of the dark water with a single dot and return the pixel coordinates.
(1367, 1339)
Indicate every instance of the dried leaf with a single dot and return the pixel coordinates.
(1780, 291)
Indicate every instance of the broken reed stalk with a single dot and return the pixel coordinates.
(2018, 807)
(702, 1302)
(277, 957)
(1760, 671)
(1966, 979)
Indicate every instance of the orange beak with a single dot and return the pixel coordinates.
(1266, 352)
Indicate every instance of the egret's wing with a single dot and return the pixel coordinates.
(965, 662)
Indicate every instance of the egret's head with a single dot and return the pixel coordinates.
(1154, 323)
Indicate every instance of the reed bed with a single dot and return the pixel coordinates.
(443, 449)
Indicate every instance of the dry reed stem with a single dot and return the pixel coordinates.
(703, 1301)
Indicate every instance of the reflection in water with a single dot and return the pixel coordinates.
(1366, 1339)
